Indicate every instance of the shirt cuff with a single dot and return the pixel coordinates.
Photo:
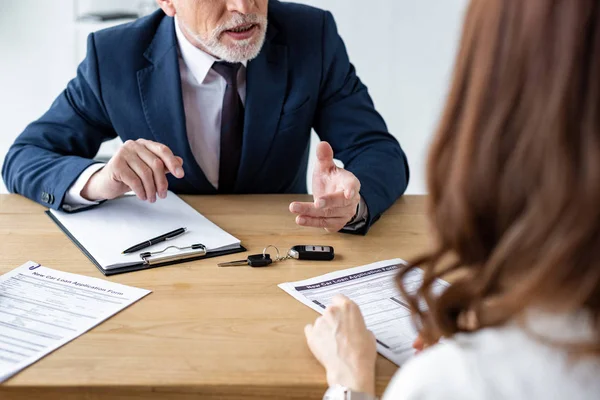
(360, 219)
(73, 199)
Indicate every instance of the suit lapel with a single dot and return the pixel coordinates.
(162, 100)
(266, 85)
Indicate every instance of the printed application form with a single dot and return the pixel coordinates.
(42, 309)
(373, 288)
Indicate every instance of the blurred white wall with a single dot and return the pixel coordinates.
(403, 51)
(36, 62)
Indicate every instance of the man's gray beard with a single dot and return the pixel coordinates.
(242, 50)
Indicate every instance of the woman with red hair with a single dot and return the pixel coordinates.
(514, 202)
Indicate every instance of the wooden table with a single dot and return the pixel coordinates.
(204, 332)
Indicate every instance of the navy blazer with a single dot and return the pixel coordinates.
(129, 86)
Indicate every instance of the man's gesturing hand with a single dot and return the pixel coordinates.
(335, 192)
(140, 166)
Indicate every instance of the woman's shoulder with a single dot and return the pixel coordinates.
(502, 362)
(439, 372)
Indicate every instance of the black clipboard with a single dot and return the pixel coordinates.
(142, 266)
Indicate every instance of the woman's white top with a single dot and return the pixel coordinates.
(503, 363)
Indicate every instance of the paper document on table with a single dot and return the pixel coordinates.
(373, 288)
(105, 231)
(41, 309)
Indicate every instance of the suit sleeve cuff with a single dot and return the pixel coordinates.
(73, 199)
(360, 219)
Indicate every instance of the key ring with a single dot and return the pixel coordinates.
(278, 257)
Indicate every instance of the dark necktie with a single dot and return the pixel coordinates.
(232, 127)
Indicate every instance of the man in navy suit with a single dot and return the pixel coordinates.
(216, 96)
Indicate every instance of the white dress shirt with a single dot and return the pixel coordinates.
(203, 90)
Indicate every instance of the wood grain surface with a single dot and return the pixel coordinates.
(205, 332)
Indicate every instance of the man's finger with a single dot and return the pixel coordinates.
(325, 162)
(158, 170)
(129, 178)
(174, 164)
(301, 208)
(336, 200)
(309, 210)
(331, 224)
(351, 185)
(144, 172)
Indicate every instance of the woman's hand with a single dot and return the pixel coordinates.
(419, 345)
(341, 342)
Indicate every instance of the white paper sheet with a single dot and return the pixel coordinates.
(374, 289)
(42, 309)
(113, 226)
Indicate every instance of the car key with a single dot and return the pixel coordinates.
(314, 253)
(256, 260)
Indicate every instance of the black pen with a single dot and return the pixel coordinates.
(158, 239)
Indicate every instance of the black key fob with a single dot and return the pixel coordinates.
(314, 253)
(259, 260)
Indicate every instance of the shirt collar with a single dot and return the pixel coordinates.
(198, 62)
